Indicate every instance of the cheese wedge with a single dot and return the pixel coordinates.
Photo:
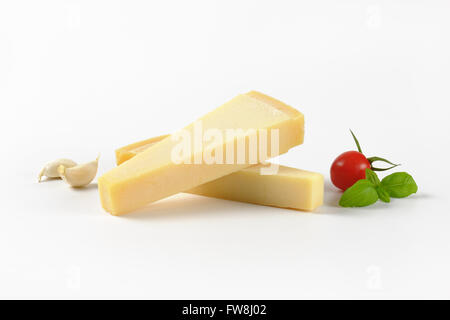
(289, 188)
(154, 174)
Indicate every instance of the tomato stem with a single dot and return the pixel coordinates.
(356, 141)
(383, 169)
(373, 159)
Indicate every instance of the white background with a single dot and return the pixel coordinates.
(82, 77)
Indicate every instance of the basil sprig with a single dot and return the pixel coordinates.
(367, 191)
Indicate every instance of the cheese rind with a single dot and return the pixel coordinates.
(289, 188)
(152, 175)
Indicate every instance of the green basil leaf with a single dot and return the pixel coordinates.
(372, 177)
(399, 185)
(361, 194)
(383, 194)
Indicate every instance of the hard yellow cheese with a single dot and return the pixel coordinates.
(289, 188)
(153, 175)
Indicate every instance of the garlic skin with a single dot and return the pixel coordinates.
(50, 170)
(80, 175)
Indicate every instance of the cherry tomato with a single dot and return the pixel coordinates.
(348, 168)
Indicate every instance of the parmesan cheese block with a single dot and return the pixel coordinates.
(177, 163)
(289, 188)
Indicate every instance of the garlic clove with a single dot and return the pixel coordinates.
(50, 170)
(80, 175)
